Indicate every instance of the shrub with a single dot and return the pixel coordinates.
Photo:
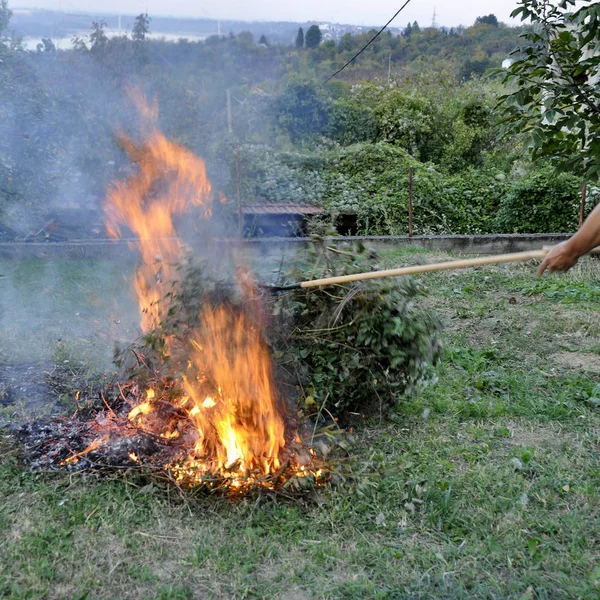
(544, 201)
(351, 122)
(371, 180)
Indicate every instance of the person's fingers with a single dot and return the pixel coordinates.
(543, 266)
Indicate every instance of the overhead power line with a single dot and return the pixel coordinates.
(370, 42)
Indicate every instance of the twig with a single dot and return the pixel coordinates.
(312, 438)
(331, 249)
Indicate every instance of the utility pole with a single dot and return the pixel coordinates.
(433, 21)
(239, 194)
(237, 165)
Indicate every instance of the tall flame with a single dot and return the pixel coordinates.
(229, 396)
(168, 181)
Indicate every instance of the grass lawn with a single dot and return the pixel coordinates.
(487, 485)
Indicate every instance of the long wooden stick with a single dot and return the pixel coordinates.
(444, 266)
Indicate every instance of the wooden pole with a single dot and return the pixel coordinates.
(229, 115)
(239, 193)
(410, 202)
(237, 166)
(582, 208)
(444, 266)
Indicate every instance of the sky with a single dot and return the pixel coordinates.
(359, 12)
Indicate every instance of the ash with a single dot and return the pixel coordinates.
(51, 443)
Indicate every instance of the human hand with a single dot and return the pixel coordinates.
(560, 258)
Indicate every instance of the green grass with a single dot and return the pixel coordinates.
(486, 486)
(46, 302)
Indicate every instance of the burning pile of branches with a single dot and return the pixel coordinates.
(199, 401)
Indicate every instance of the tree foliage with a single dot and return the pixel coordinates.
(490, 19)
(5, 16)
(555, 95)
(300, 38)
(141, 27)
(98, 37)
(346, 145)
(313, 37)
(301, 110)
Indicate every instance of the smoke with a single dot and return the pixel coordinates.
(59, 116)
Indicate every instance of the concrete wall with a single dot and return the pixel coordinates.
(284, 248)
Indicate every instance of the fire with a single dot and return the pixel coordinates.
(228, 400)
(240, 422)
(169, 180)
(93, 446)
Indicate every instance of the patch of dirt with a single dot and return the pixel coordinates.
(294, 593)
(534, 435)
(26, 382)
(34, 389)
(584, 361)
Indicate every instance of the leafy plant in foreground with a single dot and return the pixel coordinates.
(555, 96)
(360, 347)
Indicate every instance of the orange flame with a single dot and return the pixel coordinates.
(168, 181)
(230, 398)
(241, 423)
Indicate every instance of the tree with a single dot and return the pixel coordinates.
(487, 20)
(245, 40)
(141, 27)
(347, 43)
(263, 40)
(555, 95)
(300, 38)
(407, 30)
(475, 67)
(5, 15)
(47, 45)
(302, 109)
(78, 44)
(98, 38)
(313, 37)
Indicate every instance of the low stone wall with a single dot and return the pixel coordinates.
(284, 248)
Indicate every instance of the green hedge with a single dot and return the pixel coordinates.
(372, 181)
(544, 201)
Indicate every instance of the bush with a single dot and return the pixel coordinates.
(544, 201)
(351, 122)
(280, 177)
(371, 180)
(360, 347)
(472, 199)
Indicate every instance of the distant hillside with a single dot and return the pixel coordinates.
(34, 23)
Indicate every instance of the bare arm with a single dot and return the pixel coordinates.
(564, 255)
